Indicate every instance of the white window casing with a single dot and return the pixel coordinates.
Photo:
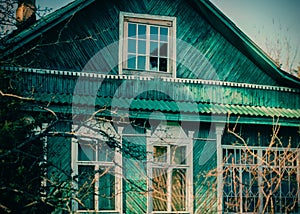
(93, 159)
(169, 173)
(147, 44)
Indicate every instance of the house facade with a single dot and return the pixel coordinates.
(160, 107)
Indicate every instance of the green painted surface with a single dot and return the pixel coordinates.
(204, 166)
(171, 106)
(56, 87)
(96, 26)
(217, 58)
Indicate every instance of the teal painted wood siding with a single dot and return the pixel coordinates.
(72, 43)
(214, 80)
(61, 83)
(59, 153)
(135, 170)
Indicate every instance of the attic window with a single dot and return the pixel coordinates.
(148, 44)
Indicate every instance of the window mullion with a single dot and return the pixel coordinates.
(136, 46)
(149, 173)
(168, 52)
(169, 179)
(74, 163)
(147, 47)
(169, 188)
(97, 178)
(125, 47)
(158, 50)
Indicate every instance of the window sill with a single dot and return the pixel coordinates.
(146, 73)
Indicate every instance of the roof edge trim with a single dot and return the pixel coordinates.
(166, 79)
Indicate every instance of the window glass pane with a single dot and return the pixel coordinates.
(131, 30)
(153, 63)
(142, 31)
(86, 151)
(153, 48)
(105, 153)
(153, 33)
(163, 51)
(178, 190)
(86, 187)
(106, 189)
(141, 62)
(164, 34)
(131, 61)
(131, 45)
(178, 154)
(163, 64)
(159, 189)
(142, 47)
(160, 154)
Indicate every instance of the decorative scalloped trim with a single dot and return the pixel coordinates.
(147, 78)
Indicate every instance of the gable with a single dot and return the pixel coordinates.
(203, 51)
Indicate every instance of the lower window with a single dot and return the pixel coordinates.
(170, 182)
(260, 180)
(98, 182)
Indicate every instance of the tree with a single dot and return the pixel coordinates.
(280, 48)
(21, 152)
(21, 148)
(8, 20)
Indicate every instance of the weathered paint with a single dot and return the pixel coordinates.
(70, 45)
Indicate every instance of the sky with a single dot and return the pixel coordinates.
(266, 22)
(271, 24)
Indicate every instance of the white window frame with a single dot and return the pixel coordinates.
(155, 141)
(257, 160)
(117, 164)
(147, 20)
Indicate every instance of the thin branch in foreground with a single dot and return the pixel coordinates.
(15, 96)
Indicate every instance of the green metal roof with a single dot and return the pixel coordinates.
(167, 106)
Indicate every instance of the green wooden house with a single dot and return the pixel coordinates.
(162, 107)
